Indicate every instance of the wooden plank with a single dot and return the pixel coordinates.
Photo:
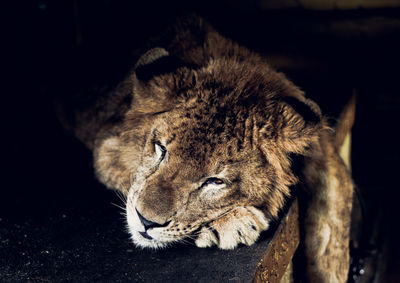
(281, 248)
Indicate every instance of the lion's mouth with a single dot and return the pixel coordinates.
(144, 240)
(145, 235)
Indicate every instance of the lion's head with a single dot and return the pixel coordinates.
(204, 150)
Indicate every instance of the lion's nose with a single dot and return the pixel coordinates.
(150, 224)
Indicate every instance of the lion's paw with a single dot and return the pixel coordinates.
(241, 225)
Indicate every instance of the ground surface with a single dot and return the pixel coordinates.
(91, 246)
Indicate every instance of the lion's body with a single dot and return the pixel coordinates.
(200, 138)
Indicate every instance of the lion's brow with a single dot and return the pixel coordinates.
(173, 137)
(160, 112)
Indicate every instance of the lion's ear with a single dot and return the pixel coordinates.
(295, 124)
(158, 74)
(306, 108)
(156, 61)
(302, 122)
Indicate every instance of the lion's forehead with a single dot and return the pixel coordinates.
(205, 129)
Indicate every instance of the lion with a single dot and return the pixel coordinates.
(200, 138)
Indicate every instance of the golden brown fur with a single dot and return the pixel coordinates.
(199, 137)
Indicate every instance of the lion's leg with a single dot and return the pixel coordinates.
(327, 219)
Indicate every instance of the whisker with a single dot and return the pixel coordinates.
(186, 242)
(123, 208)
(210, 227)
(120, 195)
(121, 199)
(191, 238)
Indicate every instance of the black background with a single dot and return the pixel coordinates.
(54, 47)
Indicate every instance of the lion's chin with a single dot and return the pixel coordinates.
(142, 241)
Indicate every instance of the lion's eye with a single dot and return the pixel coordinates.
(160, 150)
(214, 181)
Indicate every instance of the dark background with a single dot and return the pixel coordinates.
(49, 199)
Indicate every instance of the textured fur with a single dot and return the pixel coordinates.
(199, 137)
